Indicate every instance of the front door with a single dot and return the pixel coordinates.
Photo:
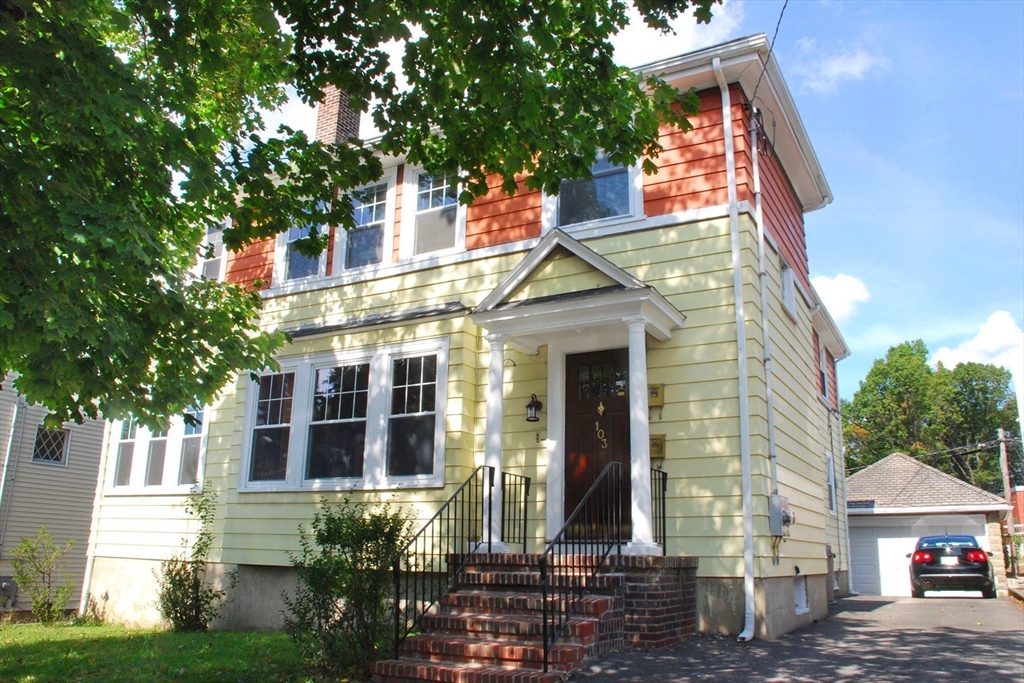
(596, 423)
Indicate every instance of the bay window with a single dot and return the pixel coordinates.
(170, 460)
(371, 419)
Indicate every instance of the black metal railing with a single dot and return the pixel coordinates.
(515, 491)
(435, 557)
(659, 490)
(576, 553)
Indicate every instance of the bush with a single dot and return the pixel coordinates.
(342, 615)
(39, 571)
(184, 597)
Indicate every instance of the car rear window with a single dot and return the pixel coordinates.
(948, 542)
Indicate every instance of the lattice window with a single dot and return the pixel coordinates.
(51, 446)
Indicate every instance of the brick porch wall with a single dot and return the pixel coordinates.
(659, 598)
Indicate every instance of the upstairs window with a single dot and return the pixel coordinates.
(788, 290)
(297, 266)
(606, 195)
(364, 244)
(51, 446)
(823, 370)
(436, 213)
(211, 253)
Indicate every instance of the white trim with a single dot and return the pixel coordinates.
(932, 509)
(635, 182)
(390, 177)
(407, 238)
(140, 460)
(65, 456)
(440, 260)
(378, 412)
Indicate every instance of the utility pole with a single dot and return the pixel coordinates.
(1004, 466)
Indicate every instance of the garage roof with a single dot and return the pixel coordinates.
(899, 484)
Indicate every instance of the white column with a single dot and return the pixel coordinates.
(493, 436)
(639, 445)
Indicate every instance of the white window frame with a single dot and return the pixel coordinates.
(65, 450)
(830, 467)
(788, 280)
(549, 207)
(407, 239)
(823, 369)
(281, 258)
(378, 411)
(341, 236)
(140, 459)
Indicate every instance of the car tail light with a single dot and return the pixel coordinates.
(977, 556)
(922, 557)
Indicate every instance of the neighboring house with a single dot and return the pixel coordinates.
(1017, 500)
(664, 320)
(48, 478)
(898, 499)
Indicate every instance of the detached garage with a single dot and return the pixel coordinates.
(895, 501)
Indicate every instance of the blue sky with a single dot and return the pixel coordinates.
(916, 112)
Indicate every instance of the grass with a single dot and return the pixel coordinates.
(30, 653)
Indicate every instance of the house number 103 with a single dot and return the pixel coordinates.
(600, 435)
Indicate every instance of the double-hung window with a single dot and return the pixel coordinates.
(371, 418)
(272, 433)
(437, 208)
(170, 460)
(211, 253)
(364, 244)
(830, 474)
(614, 192)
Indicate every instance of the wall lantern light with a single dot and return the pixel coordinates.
(532, 408)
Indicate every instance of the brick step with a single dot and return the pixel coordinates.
(494, 602)
(507, 627)
(521, 562)
(491, 653)
(411, 671)
(499, 580)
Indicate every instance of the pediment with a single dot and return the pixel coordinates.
(558, 266)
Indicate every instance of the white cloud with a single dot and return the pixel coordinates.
(999, 341)
(841, 294)
(637, 44)
(824, 73)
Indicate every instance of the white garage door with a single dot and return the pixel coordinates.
(879, 546)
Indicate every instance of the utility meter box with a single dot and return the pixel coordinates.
(655, 395)
(780, 517)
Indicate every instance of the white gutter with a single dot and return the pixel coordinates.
(929, 509)
(19, 402)
(741, 347)
(762, 267)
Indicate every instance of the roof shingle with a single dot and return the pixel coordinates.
(899, 481)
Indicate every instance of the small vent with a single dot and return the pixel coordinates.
(51, 445)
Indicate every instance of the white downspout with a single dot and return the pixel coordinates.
(741, 347)
(766, 337)
(846, 514)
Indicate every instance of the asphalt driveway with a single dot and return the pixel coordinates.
(864, 639)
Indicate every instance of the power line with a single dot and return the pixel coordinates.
(770, 49)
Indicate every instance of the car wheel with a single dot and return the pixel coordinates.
(989, 594)
(917, 593)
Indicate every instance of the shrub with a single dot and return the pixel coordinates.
(39, 571)
(343, 612)
(184, 598)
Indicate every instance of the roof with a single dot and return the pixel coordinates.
(900, 484)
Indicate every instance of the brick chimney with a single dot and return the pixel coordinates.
(335, 120)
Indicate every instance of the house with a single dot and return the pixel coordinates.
(48, 478)
(893, 502)
(663, 322)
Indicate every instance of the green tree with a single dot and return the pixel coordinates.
(128, 127)
(904, 405)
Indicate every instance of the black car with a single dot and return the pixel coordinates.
(950, 563)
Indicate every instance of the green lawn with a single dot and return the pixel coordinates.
(30, 653)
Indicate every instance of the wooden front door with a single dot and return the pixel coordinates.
(596, 423)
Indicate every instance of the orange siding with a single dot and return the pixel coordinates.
(497, 218)
(330, 249)
(783, 216)
(691, 168)
(399, 187)
(254, 263)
